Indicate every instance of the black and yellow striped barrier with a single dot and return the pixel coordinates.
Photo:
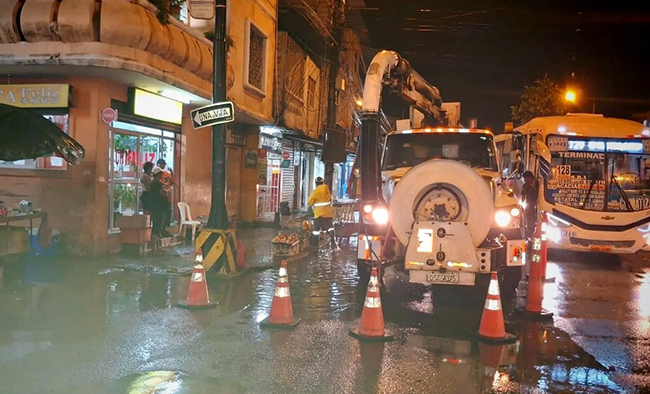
(219, 249)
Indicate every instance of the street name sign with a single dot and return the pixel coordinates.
(212, 114)
(202, 9)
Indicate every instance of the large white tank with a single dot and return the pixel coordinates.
(443, 191)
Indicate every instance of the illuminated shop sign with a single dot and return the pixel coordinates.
(270, 142)
(157, 107)
(36, 95)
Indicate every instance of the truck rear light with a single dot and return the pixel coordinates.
(370, 238)
(453, 361)
(461, 265)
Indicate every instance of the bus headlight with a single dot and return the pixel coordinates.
(556, 221)
(502, 218)
(514, 212)
(553, 234)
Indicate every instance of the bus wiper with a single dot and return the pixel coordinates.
(591, 187)
(615, 181)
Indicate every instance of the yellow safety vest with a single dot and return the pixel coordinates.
(321, 199)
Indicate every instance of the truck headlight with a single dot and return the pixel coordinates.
(377, 214)
(380, 215)
(502, 218)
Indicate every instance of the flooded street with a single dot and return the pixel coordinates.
(106, 326)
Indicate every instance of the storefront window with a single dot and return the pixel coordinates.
(131, 147)
(43, 163)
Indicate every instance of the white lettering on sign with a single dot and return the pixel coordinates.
(35, 96)
(578, 192)
(271, 142)
(556, 144)
(214, 114)
(582, 155)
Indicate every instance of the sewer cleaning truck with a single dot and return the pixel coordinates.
(432, 201)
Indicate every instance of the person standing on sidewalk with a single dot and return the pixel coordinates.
(158, 205)
(321, 200)
(145, 180)
(167, 182)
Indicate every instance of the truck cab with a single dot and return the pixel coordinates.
(449, 219)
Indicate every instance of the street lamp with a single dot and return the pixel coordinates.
(570, 96)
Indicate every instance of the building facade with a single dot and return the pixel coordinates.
(302, 97)
(117, 54)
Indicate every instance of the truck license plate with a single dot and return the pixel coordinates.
(439, 277)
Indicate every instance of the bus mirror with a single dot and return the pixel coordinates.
(518, 142)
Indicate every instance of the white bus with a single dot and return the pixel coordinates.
(594, 175)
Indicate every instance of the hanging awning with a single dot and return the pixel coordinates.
(25, 134)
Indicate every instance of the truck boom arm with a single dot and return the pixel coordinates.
(389, 68)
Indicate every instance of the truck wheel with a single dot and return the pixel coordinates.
(510, 281)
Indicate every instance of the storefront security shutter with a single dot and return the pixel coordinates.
(288, 182)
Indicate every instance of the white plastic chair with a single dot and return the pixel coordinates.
(186, 219)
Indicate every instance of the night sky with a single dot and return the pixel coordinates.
(483, 53)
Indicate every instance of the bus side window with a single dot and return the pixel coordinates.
(503, 158)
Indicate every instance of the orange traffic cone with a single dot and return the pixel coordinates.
(197, 294)
(490, 357)
(529, 346)
(281, 311)
(492, 328)
(371, 325)
(544, 250)
(535, 286)
(241, 255)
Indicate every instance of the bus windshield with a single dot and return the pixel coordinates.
(596, 179)
(409, 150)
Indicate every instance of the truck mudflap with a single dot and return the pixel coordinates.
(369, 248)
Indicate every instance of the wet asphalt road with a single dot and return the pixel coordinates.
(86, 326)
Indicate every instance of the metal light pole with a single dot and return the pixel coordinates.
(334, 55)
(218, 218)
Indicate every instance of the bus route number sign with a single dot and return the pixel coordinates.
(557, 144)
(564, 172)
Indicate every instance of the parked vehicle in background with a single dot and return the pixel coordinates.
(594, 177)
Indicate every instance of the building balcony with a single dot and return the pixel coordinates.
(119, 40)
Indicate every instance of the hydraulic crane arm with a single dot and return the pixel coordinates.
(389, 69)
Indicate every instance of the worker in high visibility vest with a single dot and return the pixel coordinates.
(321, 200)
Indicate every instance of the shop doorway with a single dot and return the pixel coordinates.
(130, 146)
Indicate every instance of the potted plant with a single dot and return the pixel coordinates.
(166, 8)
(175, 8)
